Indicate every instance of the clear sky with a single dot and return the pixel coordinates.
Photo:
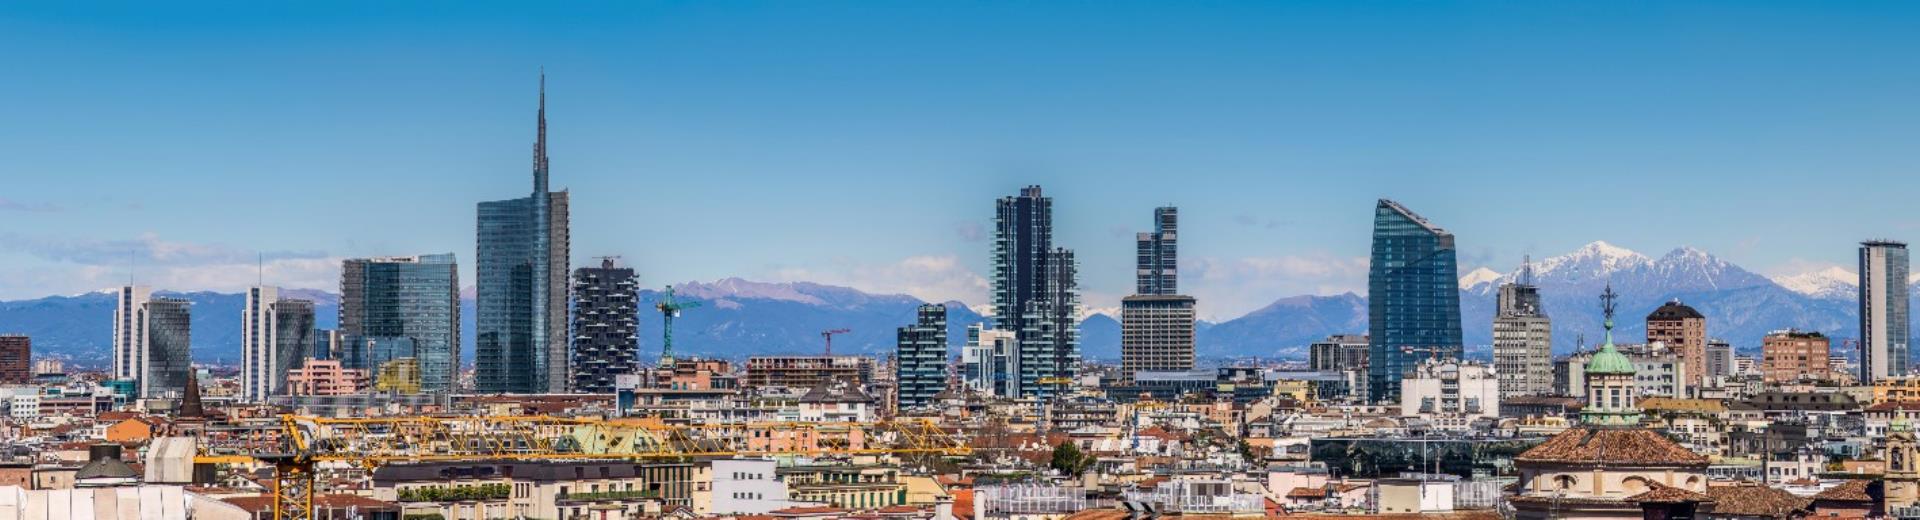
(863, 143)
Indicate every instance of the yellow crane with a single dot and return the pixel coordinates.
(300, 443)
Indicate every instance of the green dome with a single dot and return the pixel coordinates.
(1608, 360)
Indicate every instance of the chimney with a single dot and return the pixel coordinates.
(99, 452)
(943, 508)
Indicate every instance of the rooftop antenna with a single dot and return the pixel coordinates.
(1526, 270)
(260, 269)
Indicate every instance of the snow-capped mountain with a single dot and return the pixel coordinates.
(1479, 276)
(1833, 283)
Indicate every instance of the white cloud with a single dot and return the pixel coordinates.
(70, 266)
(1230, 287)
(934, 278)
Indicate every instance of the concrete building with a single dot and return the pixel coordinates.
(1414, 305)
(1338, 352)
(1683, 330)
(747, 487)
(1522, 339)
(325, 377)
(1443, 389)
(1883, 310)
(920, 352)
(128, 338)
(16, 359)
(1156, 334)
(1793, 355)
(522, 256)
(606, 326)
(1035, 294)
(276, 335)
(1719, 358)
(801, 373)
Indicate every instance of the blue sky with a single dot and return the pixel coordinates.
(863, 143)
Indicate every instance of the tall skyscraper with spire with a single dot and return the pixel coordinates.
(1413, 298)
(1035, 296)
(522, 275)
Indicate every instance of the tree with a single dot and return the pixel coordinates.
(1068, 459)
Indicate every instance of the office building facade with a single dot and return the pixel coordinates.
(164, 365)
(1157, 255)
(606, 326)
(1522, 340)
(986, 359)
(1035, 294)
(1413, 304)
(402, 307)
(523, 246)
(276, 336)
(920, 366)
(128, 339)
(1883, 310)
(16, 359)
(1156, 322)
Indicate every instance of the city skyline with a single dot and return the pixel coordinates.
(1274, 164)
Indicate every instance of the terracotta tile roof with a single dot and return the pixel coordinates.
(1894, 406)
(1456, 515)
(1668, 494)
(1755, 500)
(1612, 446)
(1849, 491)
(808, 511)
(1098, 514)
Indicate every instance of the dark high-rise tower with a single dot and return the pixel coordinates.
(1034, 295)
(921, 370)
(1156, 323)
(16, 359)
(1413, 298)
(522, 276)
(1156, 256)
(606, 326)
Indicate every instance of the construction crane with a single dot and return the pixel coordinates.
(828, 335)
(298, 444)
(669, 309)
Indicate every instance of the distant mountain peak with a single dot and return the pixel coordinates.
(1833, 282)
(1479, 276)
(1597, 258)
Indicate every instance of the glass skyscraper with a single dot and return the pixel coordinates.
(921, 370)
(1035, 295)
(1413, 298)
(522, 245)
(402, 307)
(167, 324)
(1883, 310)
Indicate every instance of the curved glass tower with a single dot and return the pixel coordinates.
(1413, 298)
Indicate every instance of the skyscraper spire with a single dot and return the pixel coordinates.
(540, 142)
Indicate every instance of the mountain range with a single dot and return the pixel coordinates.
(739, 317)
